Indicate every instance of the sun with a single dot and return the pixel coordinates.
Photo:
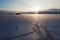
(36, 9)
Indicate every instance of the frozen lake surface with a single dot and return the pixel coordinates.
(14, 25)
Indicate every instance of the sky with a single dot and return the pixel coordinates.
(28, 5)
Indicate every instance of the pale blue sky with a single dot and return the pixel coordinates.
(27, 5)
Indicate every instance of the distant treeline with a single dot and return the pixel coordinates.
(49, 11)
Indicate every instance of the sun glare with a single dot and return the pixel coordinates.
(36, 9)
